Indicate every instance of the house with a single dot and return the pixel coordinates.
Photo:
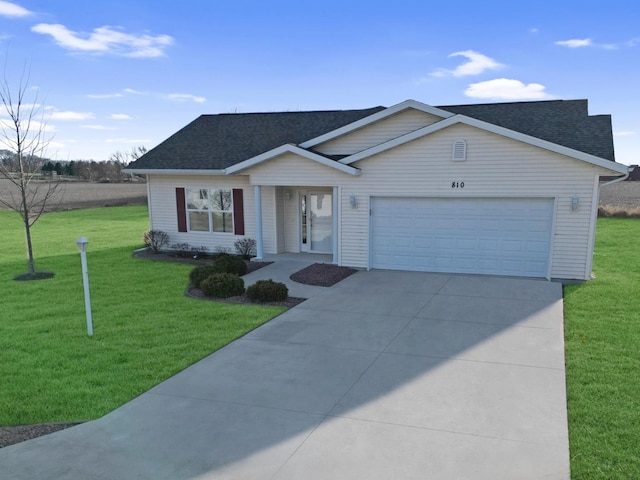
(499, 189)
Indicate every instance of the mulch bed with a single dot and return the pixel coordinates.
(20, 433)
(322, 274)
(195, 260)
(288, 303)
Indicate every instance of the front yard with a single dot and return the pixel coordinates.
(146, 330)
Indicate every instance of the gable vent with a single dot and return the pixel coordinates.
(459, 152)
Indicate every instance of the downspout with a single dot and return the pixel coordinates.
(616, 180)
(592, 239)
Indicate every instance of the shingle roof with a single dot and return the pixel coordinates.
(219, 141)
(565, 122)
(213, 142)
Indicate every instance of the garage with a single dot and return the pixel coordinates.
(496, 236)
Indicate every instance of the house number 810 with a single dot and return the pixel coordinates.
(457, 184)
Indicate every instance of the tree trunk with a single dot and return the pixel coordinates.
(31, 264)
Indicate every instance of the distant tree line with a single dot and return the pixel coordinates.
(87, 170)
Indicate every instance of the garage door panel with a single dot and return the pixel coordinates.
(504, 236)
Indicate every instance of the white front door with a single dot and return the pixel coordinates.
(316, 222)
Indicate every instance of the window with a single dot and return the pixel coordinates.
(210, 210)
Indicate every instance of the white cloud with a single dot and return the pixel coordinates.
(97, 127)
(9, 9)
(507, 89)
(624, 133)
(104, 95)
(575, 43)
(106, 40)
(476, 65)
(182, 97)
(68, 115)
(135, 92)
(120, 116)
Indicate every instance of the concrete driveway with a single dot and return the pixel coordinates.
(385, 375)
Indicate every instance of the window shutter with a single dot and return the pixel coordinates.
(181, 208)
(238, 212)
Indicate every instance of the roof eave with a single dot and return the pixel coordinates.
(172, 171)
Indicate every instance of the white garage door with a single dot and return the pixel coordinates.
(500, 236)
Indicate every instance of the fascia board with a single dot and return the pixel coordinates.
(295, 150)
(376, 117)
(171, 171)
(505, 132)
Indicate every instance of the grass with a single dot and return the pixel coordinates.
(145, 328)
(602, 333)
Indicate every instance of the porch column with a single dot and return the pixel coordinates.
(334, 214)
(258, 194)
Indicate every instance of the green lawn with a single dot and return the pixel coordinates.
(145, 328)
(602, 330)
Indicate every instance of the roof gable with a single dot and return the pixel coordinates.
(565, 122)
(276, 152)
(376, 117)
(505, 132)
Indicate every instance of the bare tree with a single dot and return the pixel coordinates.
(22, 135)
(121, 160)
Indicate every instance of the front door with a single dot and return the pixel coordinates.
(316, 222)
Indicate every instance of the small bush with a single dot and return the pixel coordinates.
(221, 251)
(231, 264)
(222, 285)
(182, 250)
(267, 291)
(155, 240)
(198, 274)
(245, 247)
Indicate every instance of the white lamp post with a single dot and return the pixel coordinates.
(82, 246)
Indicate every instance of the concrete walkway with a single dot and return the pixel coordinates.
(385, 375)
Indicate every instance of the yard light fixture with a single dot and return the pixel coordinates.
(353, 201)
(82, 243)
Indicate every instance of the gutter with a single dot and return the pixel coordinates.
(619, 179)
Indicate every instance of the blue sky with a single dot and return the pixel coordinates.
(118, 74)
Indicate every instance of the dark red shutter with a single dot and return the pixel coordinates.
(181, 207)
(238, 212)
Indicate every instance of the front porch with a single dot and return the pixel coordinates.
(300, 222)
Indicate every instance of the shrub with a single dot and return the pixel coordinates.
(221, 251)
(245, 247)
(182, 250)
(222, 285)
(155, 240)
(231, 264)
(267, 291)
(198, 274)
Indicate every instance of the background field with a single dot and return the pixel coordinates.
(86, 194)
(621, 195)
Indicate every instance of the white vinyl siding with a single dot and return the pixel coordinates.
(377, 133)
